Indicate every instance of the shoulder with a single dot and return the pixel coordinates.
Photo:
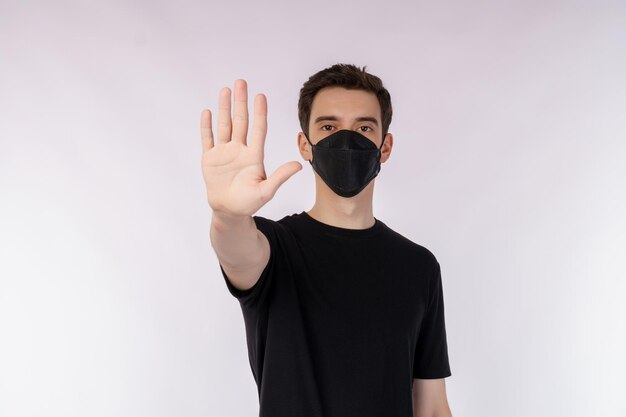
(408, 247)
(275, 230)
(282, 223)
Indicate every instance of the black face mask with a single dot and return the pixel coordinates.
(346, 161)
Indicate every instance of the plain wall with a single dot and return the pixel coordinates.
(508, 164)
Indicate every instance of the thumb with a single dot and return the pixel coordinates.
(278, 177)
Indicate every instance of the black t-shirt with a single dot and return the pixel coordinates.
(342, 320)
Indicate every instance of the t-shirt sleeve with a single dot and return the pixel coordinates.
(259, 291)
(431, 351)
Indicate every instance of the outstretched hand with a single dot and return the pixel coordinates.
(233, 170)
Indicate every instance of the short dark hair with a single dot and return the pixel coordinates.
(347, 76)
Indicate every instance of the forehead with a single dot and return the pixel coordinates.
(345, 103)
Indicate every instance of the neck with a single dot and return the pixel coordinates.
(349, 213)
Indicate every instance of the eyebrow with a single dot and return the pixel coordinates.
(358, 119)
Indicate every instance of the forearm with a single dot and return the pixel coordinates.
(441, 409)
(235, 239)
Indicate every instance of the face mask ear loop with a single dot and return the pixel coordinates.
(380, 153)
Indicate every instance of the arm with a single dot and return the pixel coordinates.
(237, 185)
(430, 399)
(242, 250)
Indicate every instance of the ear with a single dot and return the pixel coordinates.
(385, 151)
(304, 147)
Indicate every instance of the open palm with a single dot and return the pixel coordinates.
(233, 169)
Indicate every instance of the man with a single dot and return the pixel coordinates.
(343, 315)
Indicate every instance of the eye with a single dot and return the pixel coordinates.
(366, 127)
(325, 126)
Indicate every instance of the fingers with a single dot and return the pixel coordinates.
(278, 177)
(259, 125)
(223, 117)
(240, 113)
(206, 133)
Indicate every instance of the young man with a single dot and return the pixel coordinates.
(343, 315)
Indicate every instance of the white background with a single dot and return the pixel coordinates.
(508, 164)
